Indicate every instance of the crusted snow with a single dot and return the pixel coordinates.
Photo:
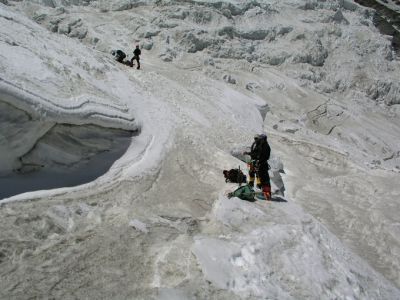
(146, 217)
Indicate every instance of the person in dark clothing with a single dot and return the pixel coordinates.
(252, 164)
(260, 152)
(136, 56)
(234, 175)
(119, 55)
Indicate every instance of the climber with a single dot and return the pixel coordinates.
(119, 55)
(253, 156)
(260, 152)
(136, 56)
(234, 175)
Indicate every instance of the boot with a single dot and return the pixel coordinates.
(267, 192)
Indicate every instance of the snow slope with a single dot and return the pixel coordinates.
(291, 256)
(315, 75)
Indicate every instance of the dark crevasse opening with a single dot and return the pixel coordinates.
(40, 155)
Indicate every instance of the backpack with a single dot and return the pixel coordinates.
(121, 54)
(245, 192)
(235, 176)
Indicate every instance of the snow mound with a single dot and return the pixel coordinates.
(278, 251)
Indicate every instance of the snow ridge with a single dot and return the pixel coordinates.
(89, 111)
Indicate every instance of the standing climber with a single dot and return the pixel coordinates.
(136, 56)
(252, 163)
(260, 152)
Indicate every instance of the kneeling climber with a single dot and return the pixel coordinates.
(119, 55)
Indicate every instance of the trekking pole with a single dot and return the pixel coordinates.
(239, 177)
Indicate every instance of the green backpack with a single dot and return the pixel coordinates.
(245, 192)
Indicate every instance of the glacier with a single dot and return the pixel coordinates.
(111, 182)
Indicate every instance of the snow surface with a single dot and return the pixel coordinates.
(283, 253)
(316, 76)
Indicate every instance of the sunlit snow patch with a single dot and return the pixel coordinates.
(280, 252)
